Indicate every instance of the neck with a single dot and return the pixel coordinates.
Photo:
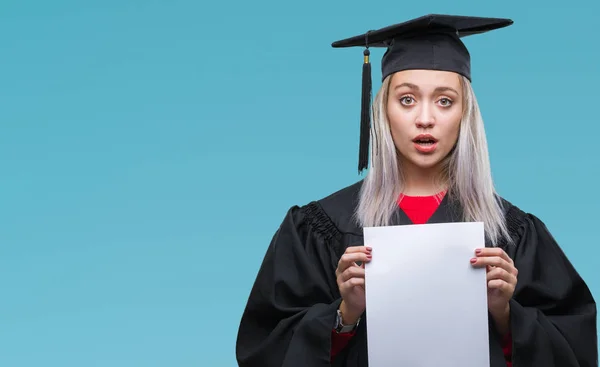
(422, 181)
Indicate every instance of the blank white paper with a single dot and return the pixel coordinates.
(426, 304)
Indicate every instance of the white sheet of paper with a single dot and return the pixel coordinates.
(426, 304)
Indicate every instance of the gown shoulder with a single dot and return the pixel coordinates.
(553, 312)
(292, 304)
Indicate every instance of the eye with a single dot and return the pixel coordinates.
(446, 102)
(407, 100)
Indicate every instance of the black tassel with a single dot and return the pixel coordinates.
(365, 114)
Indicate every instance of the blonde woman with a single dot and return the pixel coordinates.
(428, 164)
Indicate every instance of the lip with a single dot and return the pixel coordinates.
(425, 148)
(424, 137)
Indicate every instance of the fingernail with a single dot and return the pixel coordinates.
(473, 260)
(369, 248)
(478, 251)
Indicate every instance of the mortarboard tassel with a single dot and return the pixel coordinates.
(365, 114)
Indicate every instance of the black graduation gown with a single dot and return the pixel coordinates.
(291, 309)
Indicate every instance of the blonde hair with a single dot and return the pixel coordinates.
(466, 170)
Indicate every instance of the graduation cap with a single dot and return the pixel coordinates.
(430, 42)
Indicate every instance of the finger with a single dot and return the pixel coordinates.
(352, 272)
(501, 274)
(352, 282)
(493, 251)
(500, 285)
(350, 259)
(491, 261)
(360, 264)
(353, 249)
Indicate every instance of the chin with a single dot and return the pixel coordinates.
(425, 162)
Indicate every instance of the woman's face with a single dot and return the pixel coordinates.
(424, 109)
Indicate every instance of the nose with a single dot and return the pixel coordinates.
(425, 118)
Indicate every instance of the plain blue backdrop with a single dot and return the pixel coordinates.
(149, 150)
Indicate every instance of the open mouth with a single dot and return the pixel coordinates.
(425, 143)
(425, 140)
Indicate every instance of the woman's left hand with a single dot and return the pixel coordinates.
(501, 281)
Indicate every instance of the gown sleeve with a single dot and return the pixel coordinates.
(553, 313)
(292, 305)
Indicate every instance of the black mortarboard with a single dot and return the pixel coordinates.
(428, 42)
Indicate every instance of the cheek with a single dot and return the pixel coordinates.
(456, 120)
(453, 128)
(400, 122)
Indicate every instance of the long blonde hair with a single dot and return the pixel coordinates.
(466, 169)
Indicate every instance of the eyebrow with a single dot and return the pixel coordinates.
(416, 87)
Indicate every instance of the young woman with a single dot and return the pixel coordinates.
(429, 164)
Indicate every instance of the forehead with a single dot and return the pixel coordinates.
(426, 79)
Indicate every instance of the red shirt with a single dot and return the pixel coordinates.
(419, 209)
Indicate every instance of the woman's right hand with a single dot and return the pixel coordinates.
(351, 282)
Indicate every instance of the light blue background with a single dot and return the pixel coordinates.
(149, 150)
